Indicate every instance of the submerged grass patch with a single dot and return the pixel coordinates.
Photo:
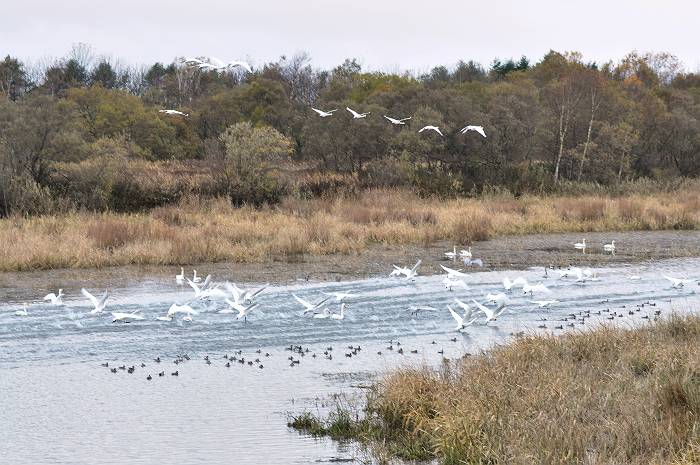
(604, 396)
(212, 230)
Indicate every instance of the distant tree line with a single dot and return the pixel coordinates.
(85, 131)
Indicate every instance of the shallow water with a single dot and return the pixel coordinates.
(60, 406)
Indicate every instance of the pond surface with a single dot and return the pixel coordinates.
(59, 405)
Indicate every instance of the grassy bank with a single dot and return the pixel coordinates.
(604, 396)
(208, 231)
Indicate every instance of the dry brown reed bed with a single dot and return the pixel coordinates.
(212, 230)
(605, 396)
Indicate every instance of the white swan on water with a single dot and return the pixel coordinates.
(55, 299)
(180, 278)
(678, 283)
(462, 320)
(610, 247)
(581, 245)
(22, 312)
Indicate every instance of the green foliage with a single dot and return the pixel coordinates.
(548, 122)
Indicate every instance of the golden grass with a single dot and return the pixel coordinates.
(605, 396)
(212, 230)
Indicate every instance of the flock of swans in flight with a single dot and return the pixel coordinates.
(215, 64)
(242, 302)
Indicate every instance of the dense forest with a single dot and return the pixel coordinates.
(84, 132)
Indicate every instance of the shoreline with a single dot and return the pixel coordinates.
(509, 252)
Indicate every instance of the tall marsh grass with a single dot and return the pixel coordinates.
(605, 396)
(198, 230)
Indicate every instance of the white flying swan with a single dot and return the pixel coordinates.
(479, 129)
(184, 309)
(431, 128)
(324, 114)
(397, 121)
(451, 282)
(517, 282)
(356, 115)
(452, 273)
(173, 112)
(99, 304)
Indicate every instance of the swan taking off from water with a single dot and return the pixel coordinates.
(414, 309)
(180, 278)
(195, 278)
(55, 299)
(491, 315)
(324, 114)
(242, 311)
(339, 296)
(610, 247)
(496, 298)
(126, 317)
(430, 128)
(678, 283)
(308, 306)
(453, 274)
(22, 312)
(462, 321)
(173, 112)
(508, 284)
(397, 121)
(532, 288)
(479, 129)
(544, 303)
(581, 245)
(175, 309)
(451, 282)
(99, 304)
(410, 273)
(356, 115)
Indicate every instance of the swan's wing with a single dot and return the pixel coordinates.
(91, 297)
(216, 62)
(415, 267)
(305, 303)
(487, 311)
(193, 286)
(465, 306)
(390, 119)
(258, 291)
(104, 298)
(480, 130)
(242, 64)
(405, 119)
(318, 111)
(51, 296)
(438, 131)
(354, 113)
(206, 282)
(457, 318)
(519, 281)
(423, 129)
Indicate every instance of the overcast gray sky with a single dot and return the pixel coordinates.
(383, 35)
